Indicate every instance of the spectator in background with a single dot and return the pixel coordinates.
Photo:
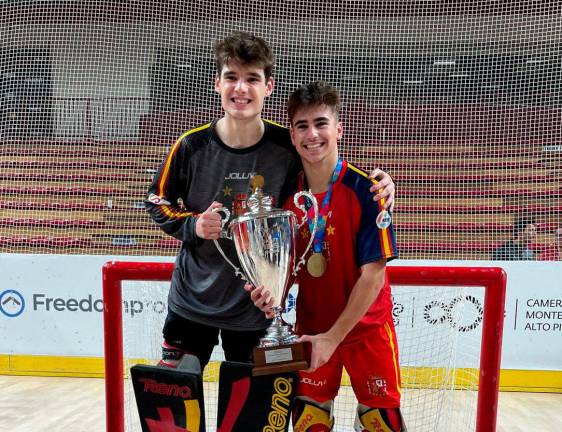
(553, 252)
(517, 248)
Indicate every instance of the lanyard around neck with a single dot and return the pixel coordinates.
(323, 211)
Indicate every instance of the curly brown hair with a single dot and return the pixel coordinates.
(314, 94)
(245, 48)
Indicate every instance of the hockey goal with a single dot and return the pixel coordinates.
(449, 323)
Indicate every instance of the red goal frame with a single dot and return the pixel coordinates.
(492, 279)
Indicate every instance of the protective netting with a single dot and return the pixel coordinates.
(458, 101)
(439, 332)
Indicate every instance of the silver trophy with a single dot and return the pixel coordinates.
(265, 240)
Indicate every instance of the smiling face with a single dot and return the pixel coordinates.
(315, 132)
(243, 89)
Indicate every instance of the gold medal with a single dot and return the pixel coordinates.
(257, 181)
(316, 264)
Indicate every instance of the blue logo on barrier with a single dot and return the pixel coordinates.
(291, 301)
(12, 303)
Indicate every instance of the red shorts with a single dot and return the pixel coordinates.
(372, 365)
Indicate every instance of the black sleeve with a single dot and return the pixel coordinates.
(162, 199)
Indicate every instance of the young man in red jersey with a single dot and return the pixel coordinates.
(212, 166)
(344, 305)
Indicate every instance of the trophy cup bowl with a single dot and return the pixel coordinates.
(266, 239)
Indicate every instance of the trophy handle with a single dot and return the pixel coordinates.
(311, 197)
(224, 220)
(224, 234)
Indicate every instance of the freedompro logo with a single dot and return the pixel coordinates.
(12, 303)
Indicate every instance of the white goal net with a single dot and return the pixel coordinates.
(458, 101)
(447, 327)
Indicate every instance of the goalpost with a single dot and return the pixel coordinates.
(450, 377)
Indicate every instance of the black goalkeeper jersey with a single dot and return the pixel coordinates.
(198, 170)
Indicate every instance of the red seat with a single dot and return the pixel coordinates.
(459, 209)
(477, 192)
(62, 190)
(72, 177)
(466, 179)
(168, 243)
(446, 247)
(466, 227)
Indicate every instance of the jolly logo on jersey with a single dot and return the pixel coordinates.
(239, 176)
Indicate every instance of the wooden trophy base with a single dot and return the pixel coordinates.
(280, 358)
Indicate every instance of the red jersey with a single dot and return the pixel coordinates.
(352, 239)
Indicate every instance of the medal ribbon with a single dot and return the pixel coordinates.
(323, 212)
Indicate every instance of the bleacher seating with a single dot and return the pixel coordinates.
(459, 188)
(165, 127)
(60, 242)
(60, 191)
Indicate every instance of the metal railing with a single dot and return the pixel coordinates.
(106, 118)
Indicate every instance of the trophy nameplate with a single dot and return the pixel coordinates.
(281, 358)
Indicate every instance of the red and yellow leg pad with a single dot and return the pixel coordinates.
(380, 420)
(310, 417)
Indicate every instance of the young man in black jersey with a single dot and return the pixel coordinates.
(212, 166)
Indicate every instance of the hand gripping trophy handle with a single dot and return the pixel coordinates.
(304, 219)
(224, 234)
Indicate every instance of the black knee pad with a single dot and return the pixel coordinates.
(171, 355)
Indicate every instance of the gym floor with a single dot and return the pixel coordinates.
(77, 404)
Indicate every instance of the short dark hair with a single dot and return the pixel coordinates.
(245, 48)
(314, 94)
(521, 223)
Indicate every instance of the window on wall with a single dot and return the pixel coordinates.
(26, 93)
(179, 80)
(526, 76)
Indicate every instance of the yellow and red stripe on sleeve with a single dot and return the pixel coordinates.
(164, 176)
(171, 213)
(384, 233)
(166, 170)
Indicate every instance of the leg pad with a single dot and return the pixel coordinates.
(379, 420)
(311, 416)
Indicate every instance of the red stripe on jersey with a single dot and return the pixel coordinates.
(384, 235)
